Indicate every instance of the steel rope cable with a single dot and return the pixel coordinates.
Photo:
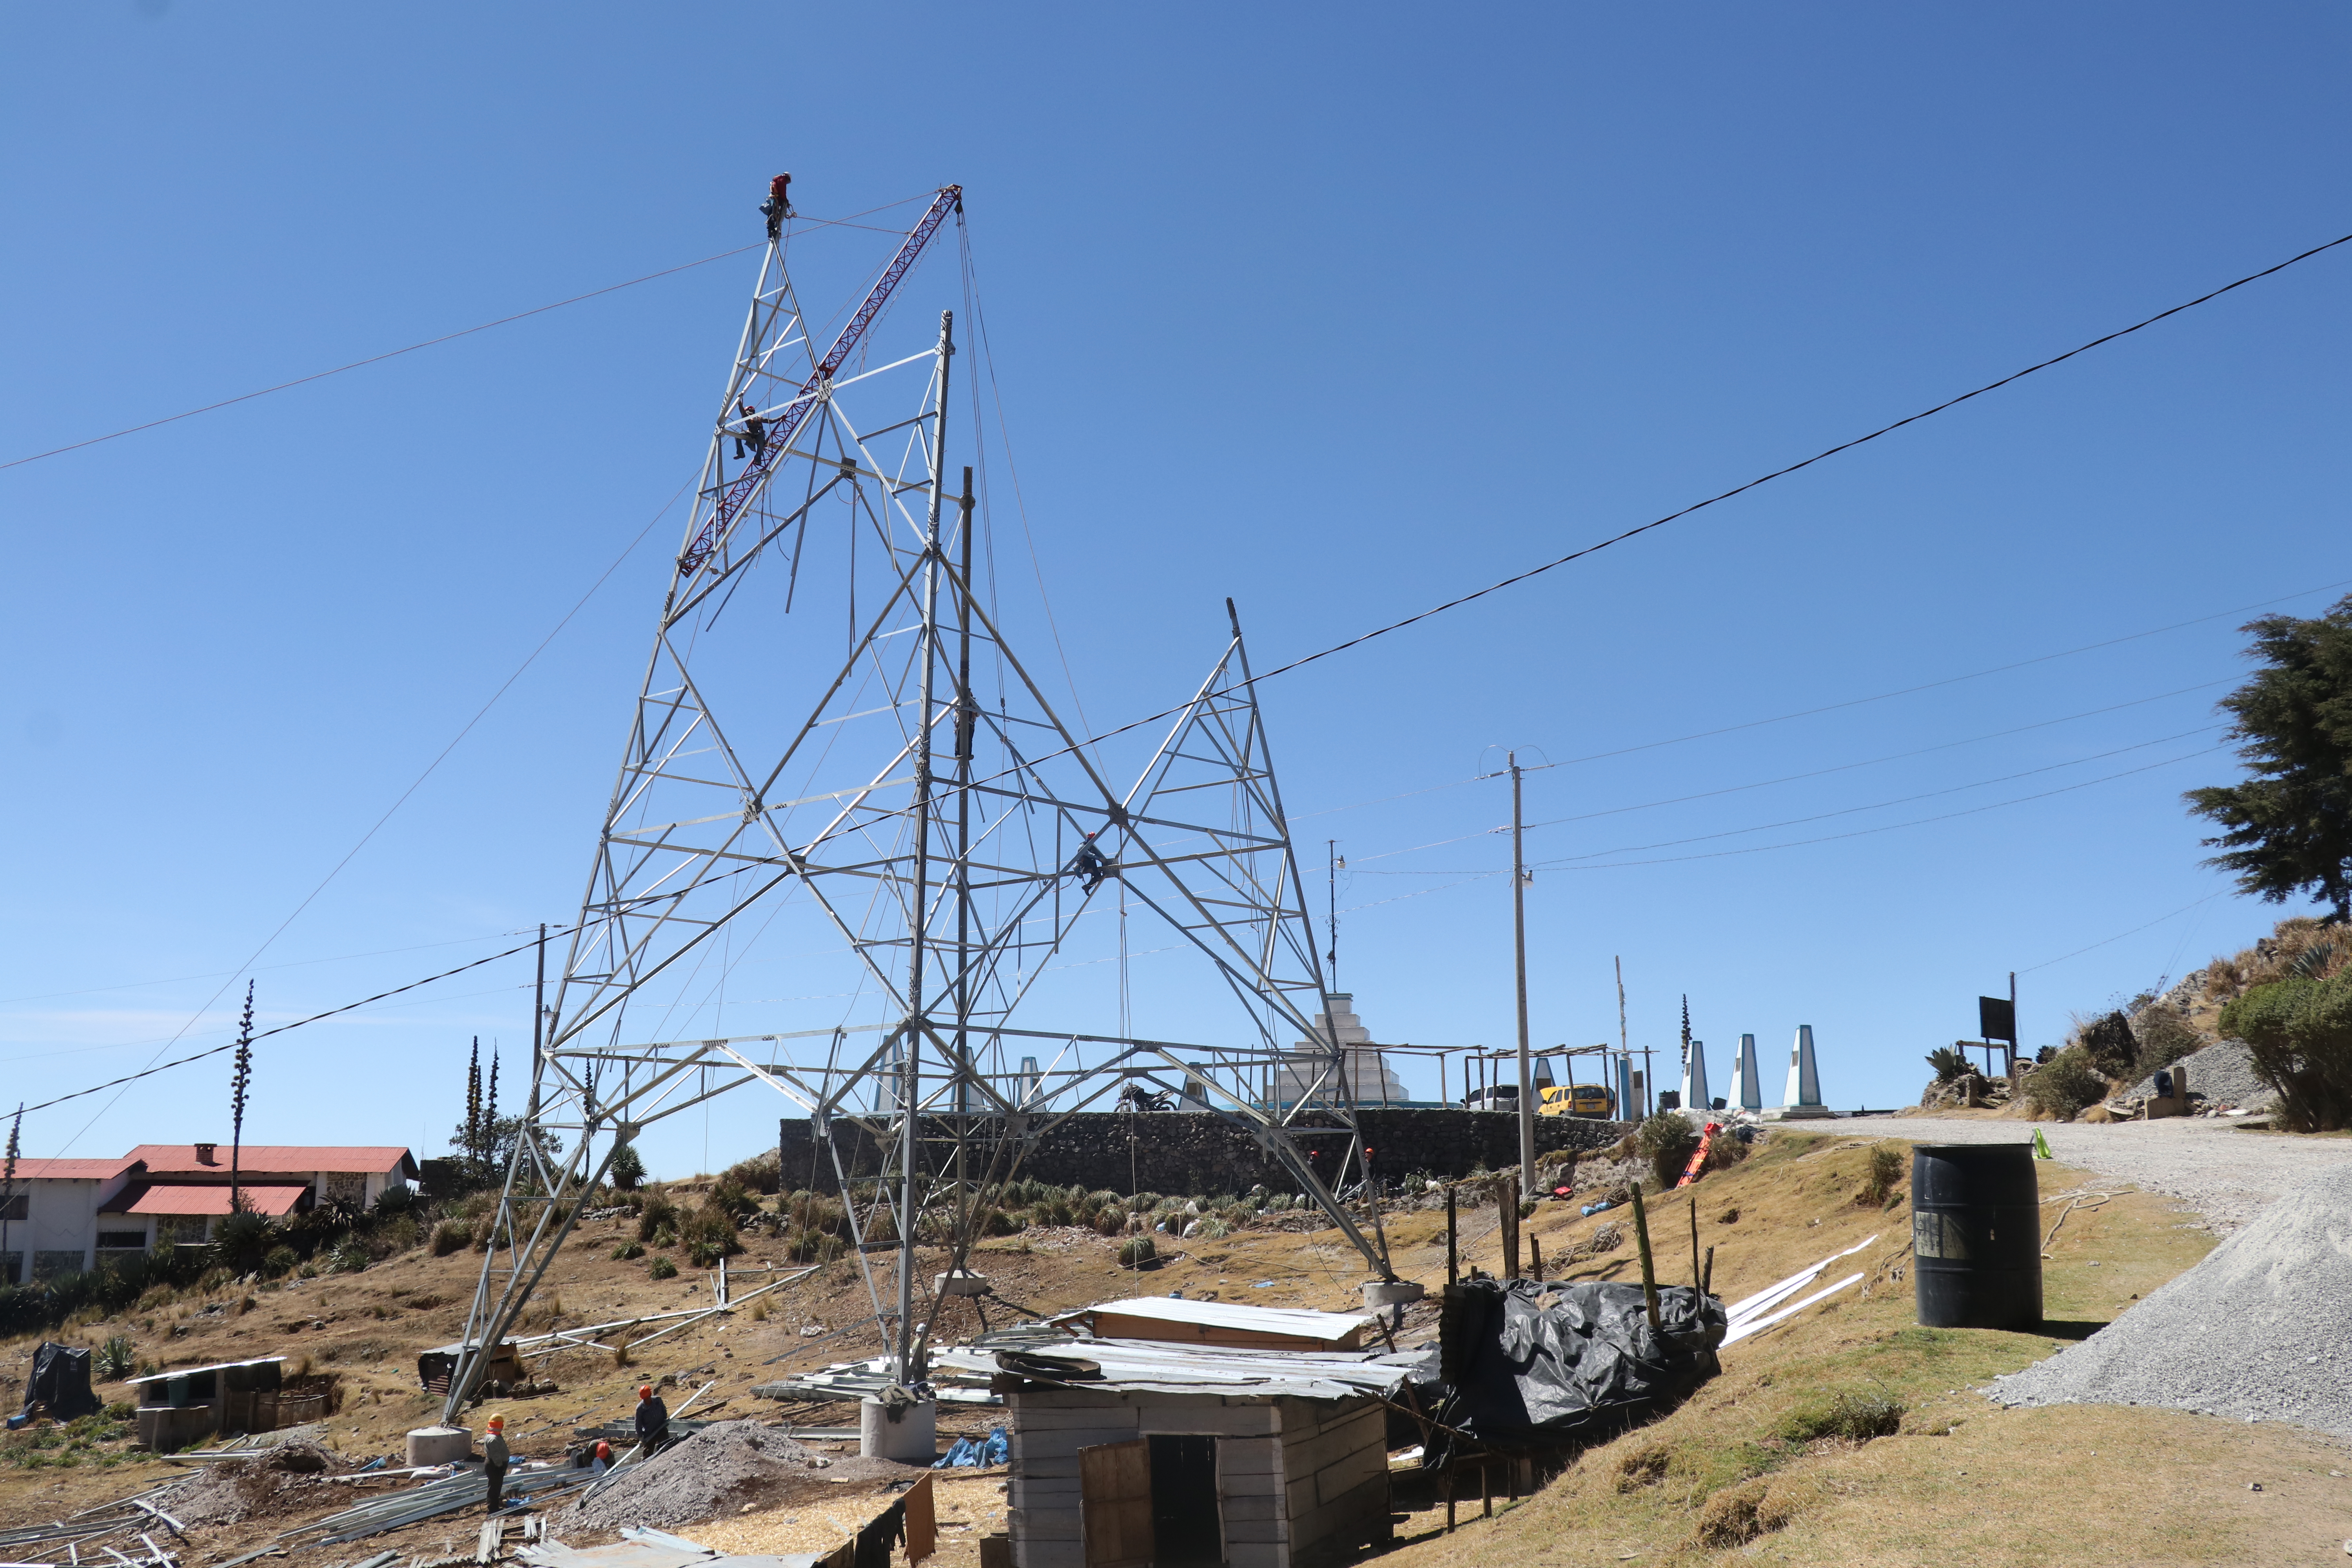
(1572, 555)
(1789, 822)
(152, 1071)
(432, 342)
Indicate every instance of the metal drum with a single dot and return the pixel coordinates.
(1975, 1236)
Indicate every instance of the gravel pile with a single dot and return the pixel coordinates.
(2222, 1073)
(2258, 1330)
(716, 1471)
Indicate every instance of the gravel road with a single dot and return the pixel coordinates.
(2225, 1173)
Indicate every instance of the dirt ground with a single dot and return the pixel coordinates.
(1960, 1483)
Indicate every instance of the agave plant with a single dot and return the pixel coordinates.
(1949, 1063)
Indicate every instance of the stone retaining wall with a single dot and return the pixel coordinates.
(1193, 1154)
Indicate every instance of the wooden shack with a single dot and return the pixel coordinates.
(189, 1403)
(1135, 1454)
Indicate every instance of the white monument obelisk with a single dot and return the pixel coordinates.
(1804, 1097)
(1696, 1095)
(1751, 1084)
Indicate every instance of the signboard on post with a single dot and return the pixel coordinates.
(1997, 1019)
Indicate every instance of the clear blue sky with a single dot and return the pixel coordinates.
(1337, 311)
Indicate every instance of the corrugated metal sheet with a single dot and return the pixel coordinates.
(167, 1199)
(285, 1159)
(1296, 1322)
(1150, 1366)
(69, 1169)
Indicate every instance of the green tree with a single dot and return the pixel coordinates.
(2288, 829)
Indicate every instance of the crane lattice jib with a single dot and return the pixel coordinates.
(731, 499)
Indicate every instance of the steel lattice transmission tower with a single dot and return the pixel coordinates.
(837, 756)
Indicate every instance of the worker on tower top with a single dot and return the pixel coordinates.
(779, 204)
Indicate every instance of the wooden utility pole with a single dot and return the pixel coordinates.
(1520, 950)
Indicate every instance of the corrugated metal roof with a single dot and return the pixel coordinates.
(69, 1169)
(189, 1202)
(1297, 1321)
(285, 1159)
(215, 1366)
(1150, 1366)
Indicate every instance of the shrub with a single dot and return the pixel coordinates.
(1949, 1063)
(2108, 1041)
(451, 1236)
(1137, 1251)
(349, 1257)
(628, 1251)
(2065, 1084)
(996, 1222)
(1882, 1176)
(628, 1170)
(1110, 1222)
(710, 1235)
(1857, 1417)
(1143, 1203)
(396, 1199)
(1666, 1143)
(1217, 1229)
(115, 1360)
(1726, 1150)
(661, 1269)
(658, 1215)
(2165, 1037)
(240, 1241)
(732, 1198)
(2299, 1034)
(280, 1261)
(763, 1173)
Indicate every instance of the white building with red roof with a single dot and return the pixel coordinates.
(65, 1215)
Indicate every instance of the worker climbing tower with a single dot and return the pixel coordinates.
(840, 774)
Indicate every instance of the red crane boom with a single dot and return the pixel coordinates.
(732, 500)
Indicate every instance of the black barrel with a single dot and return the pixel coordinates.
(1976, 1237)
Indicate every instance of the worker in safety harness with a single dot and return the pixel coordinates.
(653, 1421)
(1090, 863)
(755, 431)
(779, 204)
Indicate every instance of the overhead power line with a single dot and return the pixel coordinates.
(282, 1028)
(1537, 571)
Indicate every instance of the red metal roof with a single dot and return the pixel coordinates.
(278, 1159)
(69, 1169)
(207, 1200)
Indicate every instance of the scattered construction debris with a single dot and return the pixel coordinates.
(1231, 1324)
(718, 1469)
(1754, 1314)
(2266, 1309)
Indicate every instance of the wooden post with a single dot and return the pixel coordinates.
(1449, 1499)
(1707, 1274)
(1535, 1259)
(1453, 1257)
(1694, 1238)
(1507, 1209)
(1485, 1491)
(1649, 1272)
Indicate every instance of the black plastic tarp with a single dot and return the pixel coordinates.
(1531, 1362)
(61, 1381)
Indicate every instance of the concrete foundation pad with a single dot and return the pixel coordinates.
(1393, 1292)
(912, 1439)
(439, 1445)
(1797, 1113)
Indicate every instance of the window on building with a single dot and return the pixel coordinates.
(15, 1208)
(344, 1187)
(122, 1241)
(187, 1229)
(12, 1267)
(55, 1265)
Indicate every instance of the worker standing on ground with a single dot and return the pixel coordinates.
(779, 204)
(494, 1462)
(653, 1421)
